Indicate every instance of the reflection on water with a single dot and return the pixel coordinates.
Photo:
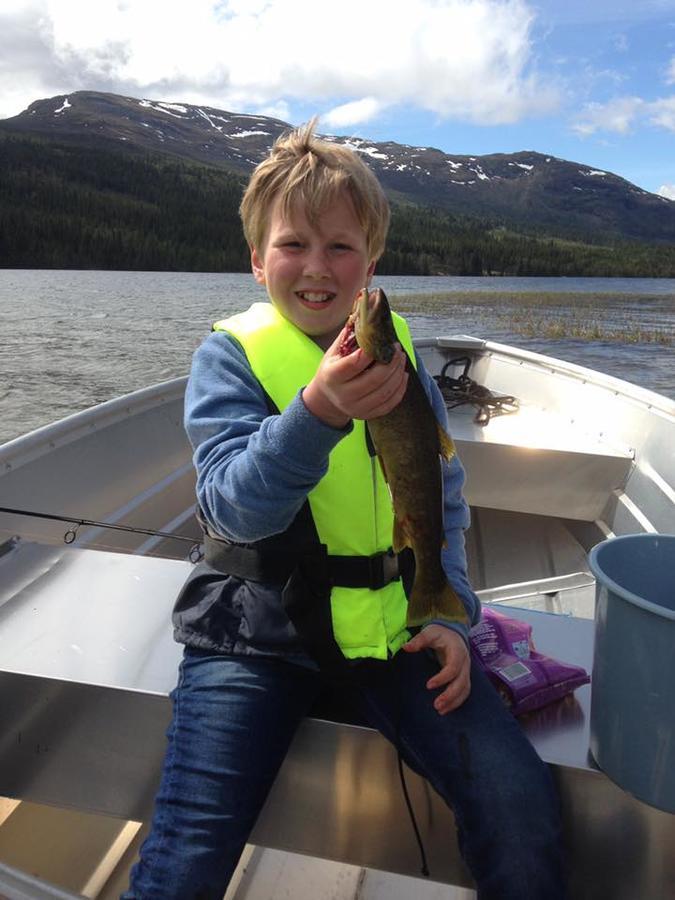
(73, 339)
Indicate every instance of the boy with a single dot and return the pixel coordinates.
(289, 493)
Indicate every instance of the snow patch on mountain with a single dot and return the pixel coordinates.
(243, 134)
(209, 120)
(368, 151)
(480, 173)
(162, 108)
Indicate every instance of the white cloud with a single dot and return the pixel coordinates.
(662, 113)
(667, 190)
(670, 74)
(618, 115)
(623, 114)
(353, 113)
(278, 110)
(464, 59)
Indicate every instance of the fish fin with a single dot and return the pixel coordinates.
(400, 537)
(445, 444)
(423, 606)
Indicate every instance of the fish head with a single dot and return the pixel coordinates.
(373, 326)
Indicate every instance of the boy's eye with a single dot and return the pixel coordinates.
(340, 246)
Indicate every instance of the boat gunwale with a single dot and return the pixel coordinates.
(93, 418)
(551, 365)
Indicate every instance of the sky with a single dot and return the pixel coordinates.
(591, 81)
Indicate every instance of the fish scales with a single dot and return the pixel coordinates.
(409, 443)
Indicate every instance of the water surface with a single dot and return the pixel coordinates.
(73, 339)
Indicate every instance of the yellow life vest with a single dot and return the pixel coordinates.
(351, 505)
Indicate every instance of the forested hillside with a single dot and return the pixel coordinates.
(69, 206)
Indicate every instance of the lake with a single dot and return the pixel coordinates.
(73, 339)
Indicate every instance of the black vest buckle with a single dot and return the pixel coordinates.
(382, 569)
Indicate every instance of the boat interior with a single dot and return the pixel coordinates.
(579, 457)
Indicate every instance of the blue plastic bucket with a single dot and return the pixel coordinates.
(633, 681)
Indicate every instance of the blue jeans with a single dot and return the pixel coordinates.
(234, 718)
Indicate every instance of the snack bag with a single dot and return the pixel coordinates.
(525, 679)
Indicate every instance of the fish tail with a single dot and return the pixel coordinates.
(424, 606)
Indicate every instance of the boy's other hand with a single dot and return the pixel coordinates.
(453, 657)
(353, 387)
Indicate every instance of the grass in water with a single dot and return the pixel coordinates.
(433, 299)
(585, 330)
(553, 315)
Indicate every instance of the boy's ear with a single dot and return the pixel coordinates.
(371, 269)
(257, 266)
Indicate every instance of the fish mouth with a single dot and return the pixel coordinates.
(349, 344)
(369, 305)
(364, 313)
(367, 309)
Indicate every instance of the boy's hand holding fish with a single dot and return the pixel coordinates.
(353, 386)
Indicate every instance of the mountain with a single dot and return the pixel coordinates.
(528, 191)
(197, 133)
(98, 181)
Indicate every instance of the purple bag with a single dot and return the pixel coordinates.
(525, 679)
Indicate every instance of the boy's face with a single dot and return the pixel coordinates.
(313, 273)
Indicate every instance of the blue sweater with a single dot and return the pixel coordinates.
(255, 470)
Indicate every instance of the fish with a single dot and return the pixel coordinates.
(409, 442)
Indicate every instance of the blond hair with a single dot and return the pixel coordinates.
(303, 169)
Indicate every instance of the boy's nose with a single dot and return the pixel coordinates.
(316, 264)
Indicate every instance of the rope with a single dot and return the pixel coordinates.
(418, 837)
(458, 391)
(424, 868)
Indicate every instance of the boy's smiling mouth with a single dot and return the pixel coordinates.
(315, 298)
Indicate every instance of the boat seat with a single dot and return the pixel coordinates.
(533, 461)
(92, 616)
(87, 661)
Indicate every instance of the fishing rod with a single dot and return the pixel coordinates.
(76, 522)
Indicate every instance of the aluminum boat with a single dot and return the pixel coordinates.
(566, 458)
